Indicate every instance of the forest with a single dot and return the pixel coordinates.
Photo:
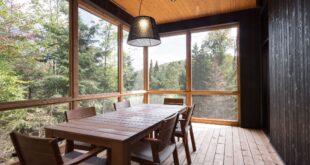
(34, 64)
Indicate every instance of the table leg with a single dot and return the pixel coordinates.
(120, 154)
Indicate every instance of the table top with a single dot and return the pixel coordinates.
(130, 124)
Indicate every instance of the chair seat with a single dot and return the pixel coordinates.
(143, 150)
(91, 161)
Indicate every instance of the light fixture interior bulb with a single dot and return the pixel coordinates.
(143, 24)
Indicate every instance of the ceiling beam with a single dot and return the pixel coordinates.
(204, 21)
(113, 10)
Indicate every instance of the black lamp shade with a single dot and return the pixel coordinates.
(143, 32)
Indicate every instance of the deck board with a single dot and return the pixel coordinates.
(229, 146)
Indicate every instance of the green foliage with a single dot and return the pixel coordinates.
(129, 75)
(98, 69)
(34, 63)
(10, 85)
(102, 105)
(170, 76)
(213, 68)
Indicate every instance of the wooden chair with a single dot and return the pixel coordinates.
(38, 151)
(75, 114)
(179, 101)
(182, 131)
(157, 150)
(121, 105)
(173, 101)
(191, 132)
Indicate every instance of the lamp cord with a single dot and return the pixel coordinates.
(140, 7)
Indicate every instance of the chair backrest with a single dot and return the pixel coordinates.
(121, 105)
(80, 113)
(166, 131)
(188, 116)
(193, 109)
(173, 101)
(36, 151)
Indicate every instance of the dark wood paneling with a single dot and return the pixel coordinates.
(289, 68)
(250, 62)
(264, 39)
(113, 9)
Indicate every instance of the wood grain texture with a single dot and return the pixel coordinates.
(116, 130)
(172, 11)
(146, 74)
(222, 145)
(73, 53)
(289, 68)
(120, 60)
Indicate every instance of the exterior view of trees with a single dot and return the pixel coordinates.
(33, 52)
(132, 66)
(214, 61)
(34, 63)
(98, 71)
(214, 68)
(167, 64)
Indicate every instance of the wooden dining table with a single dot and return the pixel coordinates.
(117, 130)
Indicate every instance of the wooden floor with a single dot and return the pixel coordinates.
(228, 145)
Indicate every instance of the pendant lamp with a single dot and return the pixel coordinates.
(143, 31)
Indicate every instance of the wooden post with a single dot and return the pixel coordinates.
(120, 61)
(73, 53)
(188, 69)
(238, 77)
(146, 74)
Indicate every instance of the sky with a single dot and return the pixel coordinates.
(172, 48)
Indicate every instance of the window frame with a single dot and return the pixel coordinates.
(74, 98)
(163, 35)
(189, 92)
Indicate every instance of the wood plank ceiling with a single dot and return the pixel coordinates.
(165, 11)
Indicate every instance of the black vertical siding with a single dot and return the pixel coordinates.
(289, 63)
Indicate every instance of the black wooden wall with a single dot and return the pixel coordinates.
(289, 80)
(250, 59)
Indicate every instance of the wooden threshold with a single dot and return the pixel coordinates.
(215, 121)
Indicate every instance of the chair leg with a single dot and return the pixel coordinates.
(109, 156)
(175, 156)
(69, 146)
(187, 153)
(191, 133)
